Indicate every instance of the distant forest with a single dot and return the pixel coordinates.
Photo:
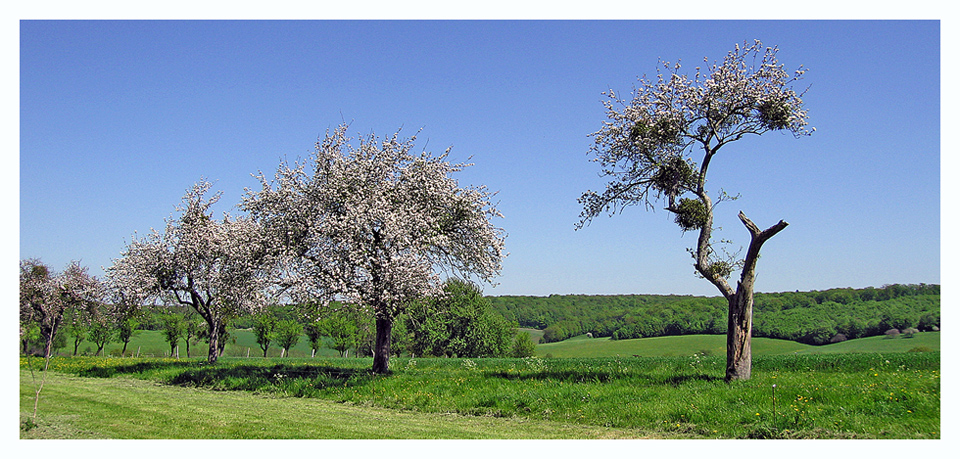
(815, 317)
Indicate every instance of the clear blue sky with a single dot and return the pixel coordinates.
(117, 119)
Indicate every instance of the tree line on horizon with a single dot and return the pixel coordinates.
(814, 317)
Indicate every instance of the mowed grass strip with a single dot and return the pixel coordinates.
(124, 408)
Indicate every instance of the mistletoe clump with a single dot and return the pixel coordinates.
(691, 214)
(774, 114)
(674, 176)
(721, 268)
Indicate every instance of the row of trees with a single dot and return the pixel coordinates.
(809, 317)
(460, 323)
(369, 226)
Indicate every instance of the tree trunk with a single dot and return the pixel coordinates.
(222, 337)
(48, 340)
(381, 352)
(740, 313)
(214, 350)
(739, 331)
(47, 333)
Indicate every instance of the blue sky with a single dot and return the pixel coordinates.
(117, 119)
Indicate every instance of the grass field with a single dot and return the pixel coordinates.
(243, 343)
(867, 395)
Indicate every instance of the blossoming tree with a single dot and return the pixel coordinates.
(659, 146)
(46, 296)
(375, 225)
(220, 268)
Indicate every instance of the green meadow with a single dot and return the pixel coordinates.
(840, 391)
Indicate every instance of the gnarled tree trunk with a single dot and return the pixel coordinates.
(739, 330)
(740, 312)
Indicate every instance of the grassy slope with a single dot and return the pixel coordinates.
(672, 346)
(535, 335)
(74, 407)
(881, 344)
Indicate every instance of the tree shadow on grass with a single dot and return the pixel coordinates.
(678, 380)
(240, 377)
(253, 377)
(139, 367)
(601, 376)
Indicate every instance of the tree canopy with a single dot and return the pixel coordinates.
(371, 224)
(220, 268)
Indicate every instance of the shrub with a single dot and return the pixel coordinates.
(523, 346)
